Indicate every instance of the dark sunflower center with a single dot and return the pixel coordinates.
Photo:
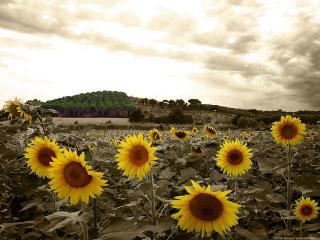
(76, 175)
(211, 130)
(235, 157)
(45, 156)
(306, 210)
(205, 207)
(139, 155)
(180, 134)
(289, 131)
(155, 136)
(197, 149)
(13, 109)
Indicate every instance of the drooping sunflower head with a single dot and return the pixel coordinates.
(289, 131)
(72, 178)
(155, 135)
(194, 130)
(40, 153)
(197, 151)
(179, 134)
(312, 135)
(234, 158)
(306, 209)
(209, 131)
(203, 210)
(15, 110)
(135, 156)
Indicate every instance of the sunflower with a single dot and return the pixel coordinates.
(40, 153)
(179, 134)
(194, 130)
(15, 110)
(91, 147)
(244, 134)
(209, 131)
(234, 158)
(197, 151)
(289, 131)
(135, 156)
(73, 178)
(226, 138)
(203, 210)
(117, 142)
(306, 209)
(312, 135)
(155, 135)
(251, 135)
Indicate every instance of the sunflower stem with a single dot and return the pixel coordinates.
(84, 231)
(300, 229)
(289, 191)
(84, 226)
(54, 199)
(236, 188)
(153, 199)
(95, 212)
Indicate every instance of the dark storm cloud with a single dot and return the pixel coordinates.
(299, 55)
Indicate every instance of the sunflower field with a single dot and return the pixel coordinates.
(177, 183)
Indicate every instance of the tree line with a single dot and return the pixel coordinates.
(93, 104)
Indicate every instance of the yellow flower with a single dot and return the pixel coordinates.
(289, 131)
(312, 135)
(209, 131)
(306, 209)
(73, 179)
(234, 158)
(91, 147)
(244, 134)
(40, 153)
(251, 135)
(226, 138)
(197, 151)
(194, 130)
(245, 138)
(15, 110)
(155, 135)
(203, 210)
(117, 142)
(135, 156)
(179, 134)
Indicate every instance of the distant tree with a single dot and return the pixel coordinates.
(136, 115)
(180, 103)
(194, 103)
(144, 101)
(153, 102)
(172, 103)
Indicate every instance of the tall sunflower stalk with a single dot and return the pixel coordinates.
(289, 131)
(289, 190)
(136, 157)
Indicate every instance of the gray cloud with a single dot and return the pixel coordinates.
(289, 69)
(299, 56)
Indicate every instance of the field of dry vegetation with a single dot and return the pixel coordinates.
(123, 210)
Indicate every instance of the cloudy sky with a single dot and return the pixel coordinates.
(237, 53)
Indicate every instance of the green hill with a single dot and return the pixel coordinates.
(93, 104)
